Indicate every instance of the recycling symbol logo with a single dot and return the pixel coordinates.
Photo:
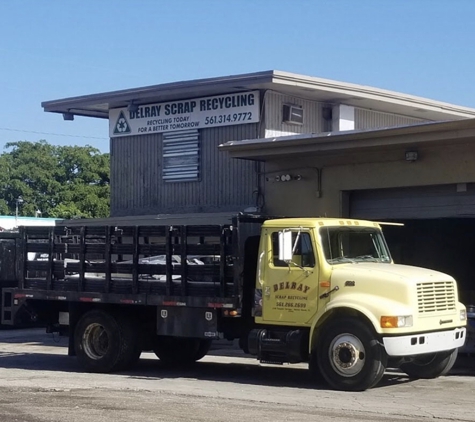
(122, 126)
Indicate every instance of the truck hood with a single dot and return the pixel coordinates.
(389, 272)
(376, 289)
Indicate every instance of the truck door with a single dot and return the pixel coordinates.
(290, 289)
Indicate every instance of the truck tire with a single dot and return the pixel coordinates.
(431, 365)
(203, 349)
(313, 367)
(105, 342)
(350, 357)
(129, 327)
(183, 351)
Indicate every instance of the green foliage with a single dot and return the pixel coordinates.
(60, 181)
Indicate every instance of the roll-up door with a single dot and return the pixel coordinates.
(421, 202)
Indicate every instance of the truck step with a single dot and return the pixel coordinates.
(271, 362)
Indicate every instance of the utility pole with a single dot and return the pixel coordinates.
(18, 201)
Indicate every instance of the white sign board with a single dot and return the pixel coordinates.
(198, 113)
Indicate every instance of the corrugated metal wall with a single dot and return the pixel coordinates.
(226, 184)
(135, 172)
(370, 119)
(137, 187)
(313, 120)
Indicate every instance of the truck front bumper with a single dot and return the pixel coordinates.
(418, 344)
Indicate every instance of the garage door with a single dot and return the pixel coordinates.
(412, 203)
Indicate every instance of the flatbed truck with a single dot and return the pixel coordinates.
(319, 290)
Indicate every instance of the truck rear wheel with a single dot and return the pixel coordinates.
(350, 358)
(431, 365)
(105, 342)
(176, 350)
(129, 325)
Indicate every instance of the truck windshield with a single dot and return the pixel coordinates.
(354, 244)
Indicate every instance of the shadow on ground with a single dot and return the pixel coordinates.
(150, 368)
(32, 336)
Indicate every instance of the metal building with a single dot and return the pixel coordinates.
(164, 139)
(287, 144)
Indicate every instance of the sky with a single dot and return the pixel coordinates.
(53, 49)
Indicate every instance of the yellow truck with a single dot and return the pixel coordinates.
(319, 290)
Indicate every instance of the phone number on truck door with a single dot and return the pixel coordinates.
(291, 305)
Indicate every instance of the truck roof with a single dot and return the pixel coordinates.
(318, 222)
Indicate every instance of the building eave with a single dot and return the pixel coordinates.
(264, 149)
(158, 93)
(301, 86)
(361, 92)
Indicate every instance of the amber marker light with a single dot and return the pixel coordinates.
(324, 284)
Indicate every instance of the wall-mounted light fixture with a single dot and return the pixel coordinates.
(68, 116)
(132, 107)
(412, 156)
(285, 177)
(327, 113)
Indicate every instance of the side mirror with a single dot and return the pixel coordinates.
(285, 246)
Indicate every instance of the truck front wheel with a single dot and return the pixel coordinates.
(431, 365)
(350, 358)
(105, 342)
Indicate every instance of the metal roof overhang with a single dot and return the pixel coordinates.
(98, 105)
(436, 133)
(316, 89)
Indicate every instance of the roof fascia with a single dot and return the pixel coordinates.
(371, 93)
(233, 82)
(262, 149)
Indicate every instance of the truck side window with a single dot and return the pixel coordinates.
(303, 255)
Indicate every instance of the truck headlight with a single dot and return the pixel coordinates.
(396, 321)
(463, 314)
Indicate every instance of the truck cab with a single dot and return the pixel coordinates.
(327, 291)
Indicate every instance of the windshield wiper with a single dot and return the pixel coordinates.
(366, 258)
(341, 259)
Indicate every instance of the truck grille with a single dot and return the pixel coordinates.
(436, 296)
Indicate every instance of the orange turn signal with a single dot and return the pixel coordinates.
(389, 322)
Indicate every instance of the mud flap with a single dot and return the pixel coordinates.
(7, 307)
(16, 312)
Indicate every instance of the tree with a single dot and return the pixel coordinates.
(60, 181)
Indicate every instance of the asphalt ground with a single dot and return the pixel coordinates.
(39, 383)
